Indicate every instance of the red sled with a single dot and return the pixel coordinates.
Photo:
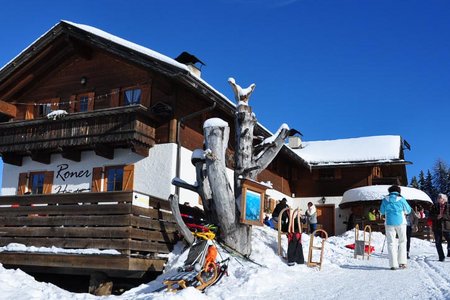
(366, 248)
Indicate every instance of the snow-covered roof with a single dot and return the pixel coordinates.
(128, 44)
(378, 192)
(114, 39)
(372, 149)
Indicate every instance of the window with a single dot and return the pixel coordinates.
(83, 103)
(114, 178)
(43, 108)
(269, 204)
(327, 174)
(35, 183)
(132, 96)
(376, 172)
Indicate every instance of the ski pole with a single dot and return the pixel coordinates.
(382, 248)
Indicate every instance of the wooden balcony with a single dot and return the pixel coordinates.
(87, 220)
(101, 130)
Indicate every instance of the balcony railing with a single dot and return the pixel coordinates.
(114, 126)
(106, 220)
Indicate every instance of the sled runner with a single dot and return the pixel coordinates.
(200, 269)
(362, 247)
(312, 247)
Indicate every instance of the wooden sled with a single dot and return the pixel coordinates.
(197, 272)
(312, 247)
(362, 245)
(293, 216)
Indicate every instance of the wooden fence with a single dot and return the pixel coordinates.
(87, 220)
(424, 231)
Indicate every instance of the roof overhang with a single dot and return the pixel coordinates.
(373, 194)
(358, 164)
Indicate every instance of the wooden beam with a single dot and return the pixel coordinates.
(43, 158)
(24, 70)
(173, 130)
(88, 262)
(12, 159)
(106, 151)
(8, 109)
(37, 71)
(74, 155)
(139, 149)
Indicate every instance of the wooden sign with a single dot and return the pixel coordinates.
(252, 203)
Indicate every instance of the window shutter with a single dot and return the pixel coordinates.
(376, 172)
(91, 101)
(22, 183)
(48, 183)
(128, 178)
(29, 112)
(72, 103)
(115, 96)
(145, 95)
(55, 103)
(96, 179)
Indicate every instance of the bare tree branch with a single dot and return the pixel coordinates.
(184, 230)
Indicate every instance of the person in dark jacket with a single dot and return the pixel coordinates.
(351, 221)
(439, 213)
(276, 213)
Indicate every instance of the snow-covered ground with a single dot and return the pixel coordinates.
(341, 277)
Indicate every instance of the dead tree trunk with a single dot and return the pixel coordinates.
(226, 210)
(221, 203)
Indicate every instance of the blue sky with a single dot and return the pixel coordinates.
(331, 69)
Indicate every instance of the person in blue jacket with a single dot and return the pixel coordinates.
(394, 207)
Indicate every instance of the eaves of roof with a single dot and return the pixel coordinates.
(358, 164)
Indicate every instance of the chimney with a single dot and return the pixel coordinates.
(194, 70)
(193, 63)
(295, 142)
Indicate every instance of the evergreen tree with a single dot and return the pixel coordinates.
(428, 186)
(441, 177)
(448, 185)
(414, 183)
(421, 181)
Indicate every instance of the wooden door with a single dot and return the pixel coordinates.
(326, 218)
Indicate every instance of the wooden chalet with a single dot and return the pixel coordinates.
(93, 129)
